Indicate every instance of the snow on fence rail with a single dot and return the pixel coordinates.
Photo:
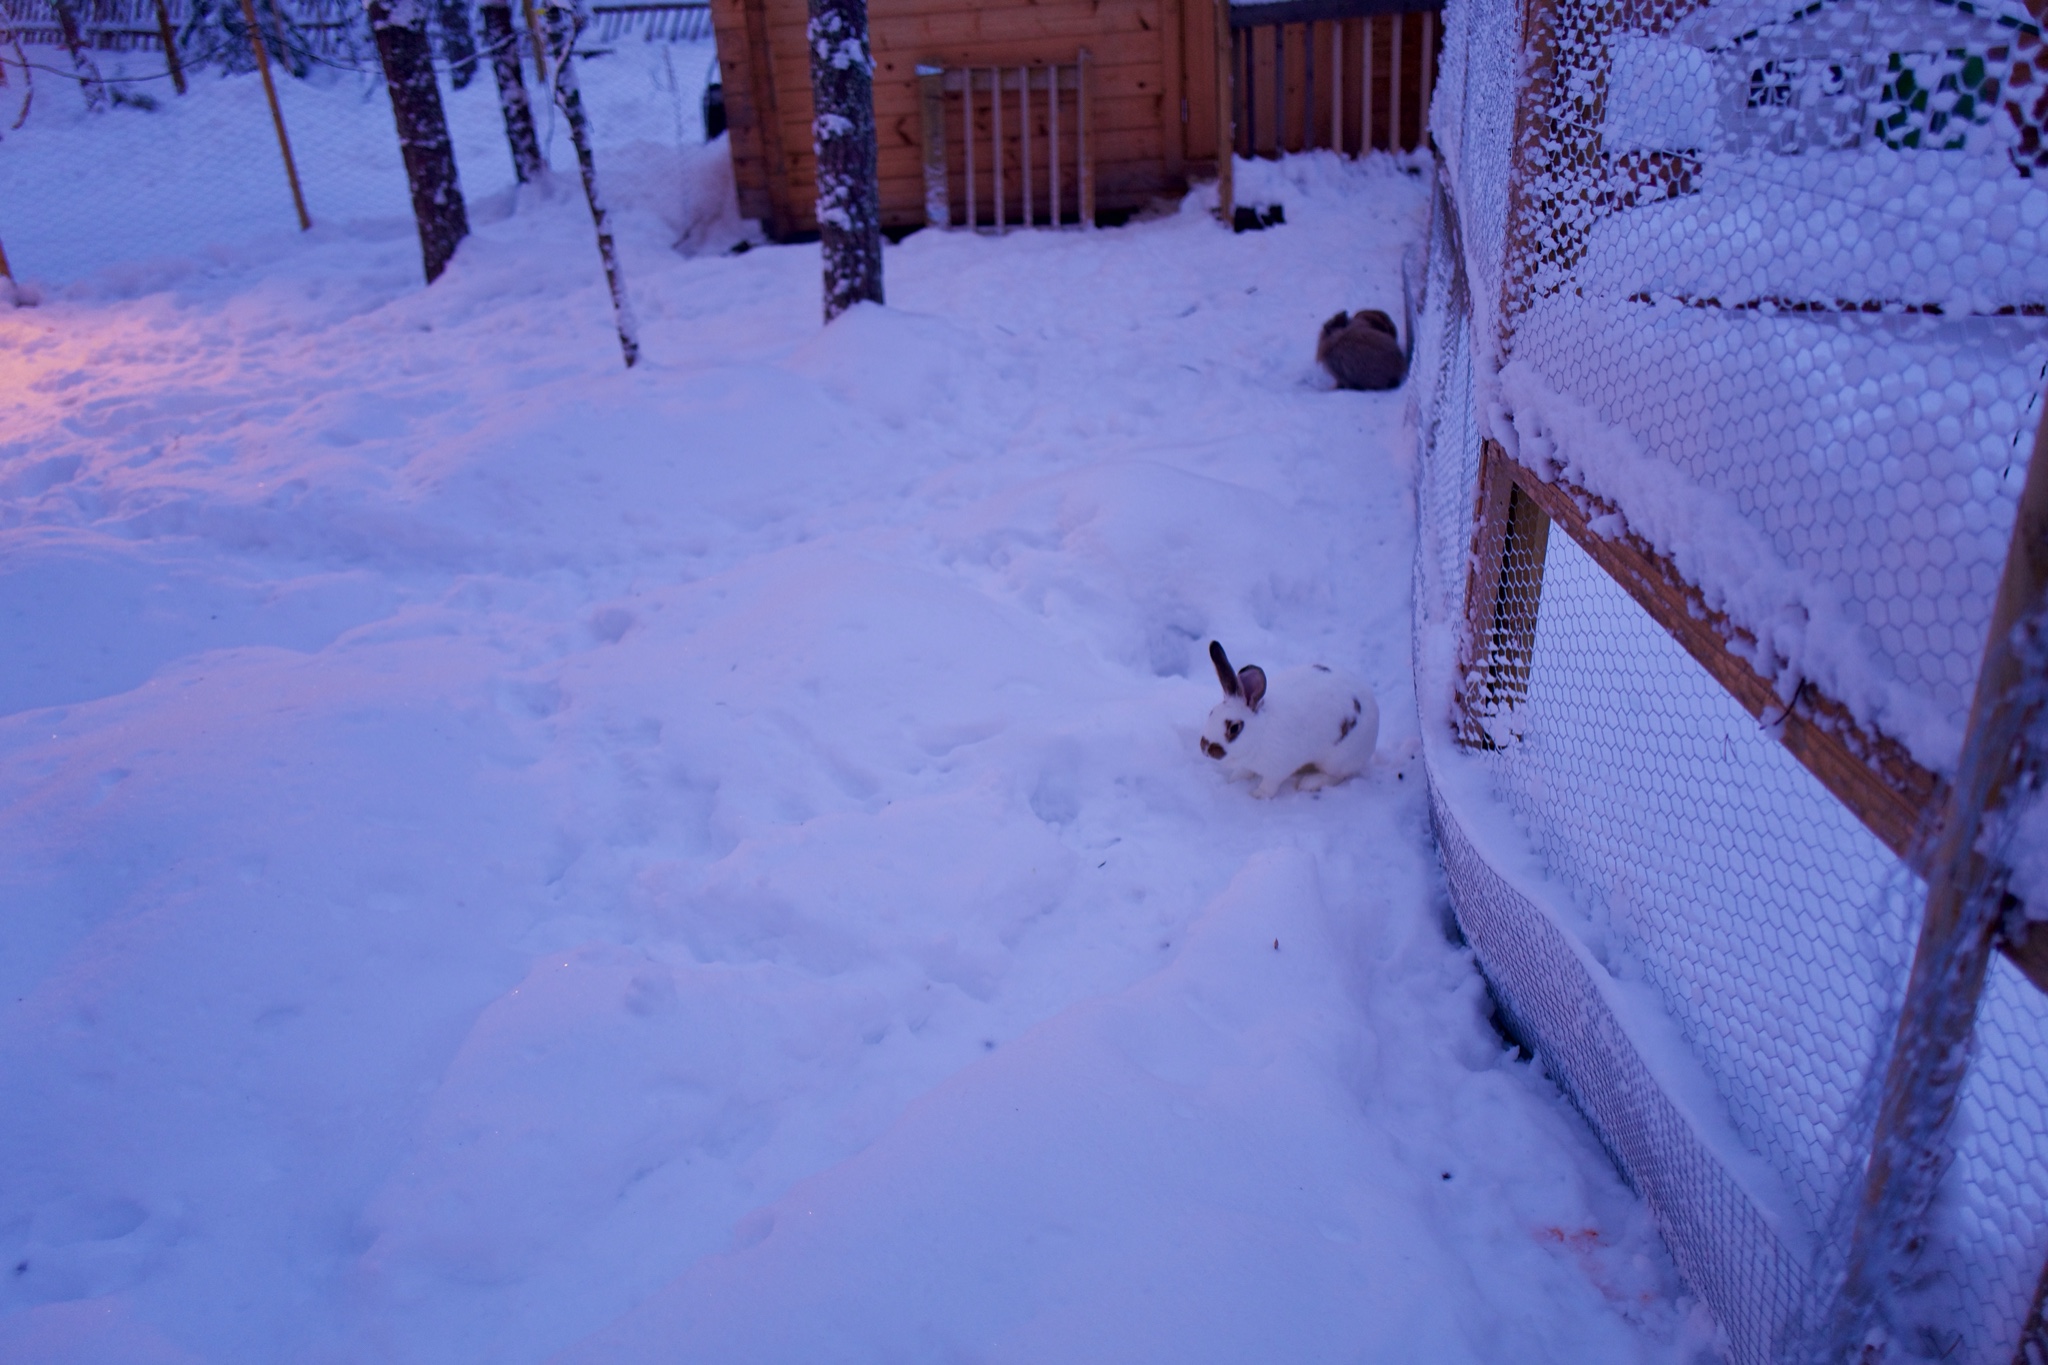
(1730, 375)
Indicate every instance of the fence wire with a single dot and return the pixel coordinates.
(1778, 285)
(155, 178)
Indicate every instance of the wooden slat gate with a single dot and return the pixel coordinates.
(1031, 177)
(1349, 75)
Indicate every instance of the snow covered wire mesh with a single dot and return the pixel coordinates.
(1755, 1283)
(1768, 281)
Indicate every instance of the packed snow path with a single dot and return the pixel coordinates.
(508, 860)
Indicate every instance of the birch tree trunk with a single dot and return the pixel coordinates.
(849, 199)
(503, 45)
(458, 44)
(89, 81)
(400, 27)
(564, 24)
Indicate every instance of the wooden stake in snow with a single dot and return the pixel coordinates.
(1226, 115)
(503, 46)
(2003, 754)
(284, 144)
(537, 40)
(169, 37)
(565, 24)
(843, 131)
(400, 27)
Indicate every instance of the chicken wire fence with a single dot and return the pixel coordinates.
(1761, 285)
(104, 161)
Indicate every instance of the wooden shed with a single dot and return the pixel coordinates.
(1011, 111)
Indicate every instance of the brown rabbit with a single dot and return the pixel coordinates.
(1362, 351)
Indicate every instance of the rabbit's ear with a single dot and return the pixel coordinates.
(1251, 679)
(1225, 674)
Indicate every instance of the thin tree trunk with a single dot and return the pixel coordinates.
(503, 46)
(458, 44)
(89, 81)
(565, 24)
(400, 27)
(849, 199)
(28, 80)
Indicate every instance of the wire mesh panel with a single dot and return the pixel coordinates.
(1755, 293)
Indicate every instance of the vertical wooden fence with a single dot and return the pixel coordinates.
(1349, 75)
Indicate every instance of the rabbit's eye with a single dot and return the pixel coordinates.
(1232, 729)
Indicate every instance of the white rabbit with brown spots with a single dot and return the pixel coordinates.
(1311, 726)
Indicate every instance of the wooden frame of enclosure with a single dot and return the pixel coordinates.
(1930, 824)
(1158, 101)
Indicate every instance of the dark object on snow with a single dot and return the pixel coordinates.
(714, 110)
(1254, 218)
(503, 47)
(1362, 351)
(422, 133)
(849, 195)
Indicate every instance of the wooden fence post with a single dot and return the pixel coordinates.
(284, 143)
(1503, 588)
(1966, 895)
(1087, 155)
(1226, 122)
(540, 45)
(169, 38)
(2033, 1347)
(931, 108)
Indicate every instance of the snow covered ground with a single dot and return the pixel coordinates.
(509, 859)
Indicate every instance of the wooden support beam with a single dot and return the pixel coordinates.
(995, 139)
(1024, 126)
(1173, 88)
(1872, 775)
(767, 110)
(1869, 772)
(1966, 902)
(1510, 540)
(2033, 1347)
(1086, 156)
(1052, 137)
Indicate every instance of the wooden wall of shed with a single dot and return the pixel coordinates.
(1152, 111)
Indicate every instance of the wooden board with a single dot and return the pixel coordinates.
(1870, 773)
